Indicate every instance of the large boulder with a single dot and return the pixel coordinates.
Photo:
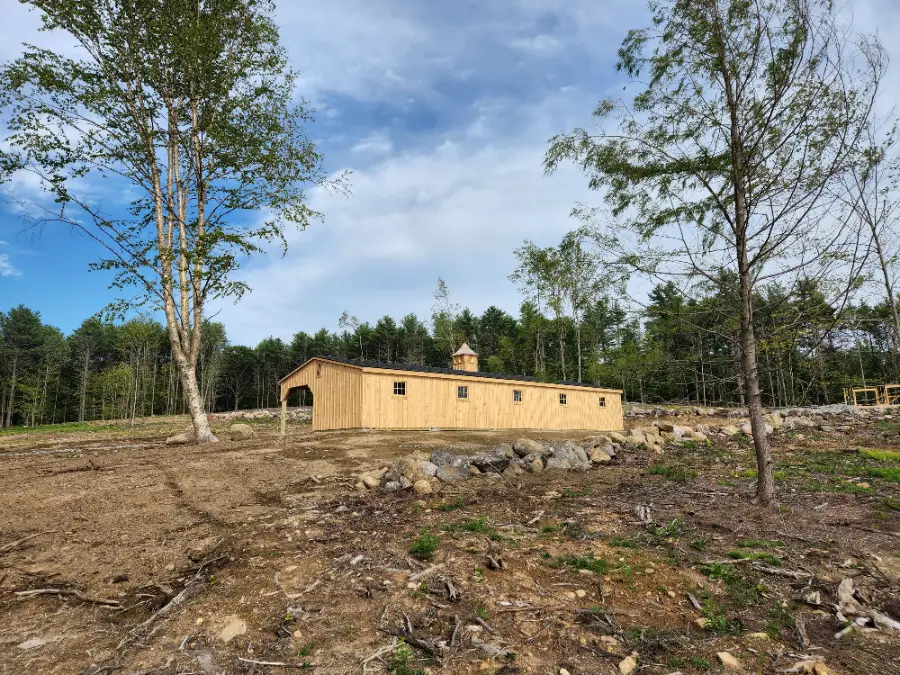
(536, 465)
(490, 463)
(452, 474)
(598, 456)
(429, 469)
(410, 468)
(748, 430)
(372, 479)
(527, 446)
(422, 487)
(515, 468)
(440, 458)
(573, 455)
(616, 437)
(181, 439)
(560, 463)
(240, 432)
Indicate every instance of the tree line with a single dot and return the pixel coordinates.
(671, 350)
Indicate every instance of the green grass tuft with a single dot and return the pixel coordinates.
(673, 473)
(888, 473)
(425, 545)
(880, 455)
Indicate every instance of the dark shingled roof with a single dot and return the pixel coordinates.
(413, 368)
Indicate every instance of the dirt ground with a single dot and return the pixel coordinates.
(159, 559)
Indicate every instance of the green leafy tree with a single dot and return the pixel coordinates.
(747, 114)
(187, 104)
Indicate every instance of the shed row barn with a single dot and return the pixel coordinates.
(369, 395)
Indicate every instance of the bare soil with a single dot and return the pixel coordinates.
(146, 552)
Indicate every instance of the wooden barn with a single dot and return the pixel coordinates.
(366, 395)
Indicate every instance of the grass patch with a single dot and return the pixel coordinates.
(716, 621)
(880, 455)
(400, 660)
(569, 493)
(742, 589)
(891, 504)
(753, 555)
(457, 503)
(424, 546)
(625, 542)
(760, 543)
(67, 427)
(849, 488)
(780, 618)
(673, 473)
(583, 562)
(700, 544)
(888, 473)
(476, 526)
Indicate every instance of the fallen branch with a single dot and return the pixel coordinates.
(10, 546)
(68, 591)
(426, 572)
(277, 664)
(169, 607)
(375, 655)
(782, 573)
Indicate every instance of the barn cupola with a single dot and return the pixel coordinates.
(465, 359)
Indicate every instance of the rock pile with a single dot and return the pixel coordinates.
(271, 414)
(508, 460)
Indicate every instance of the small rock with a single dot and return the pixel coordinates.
(235, 626)
(392, 485)
(240, 432)
(429, 469)
(628, 665)
(563, 671)
(701, 621)
(422, 487)
(536, 466)
(180, 439)
(33, 643)
(207, 663)
(730, 430)
(758, 636)
(581, 593)
(405, 483)
(372, 479)
(728, 661)
(616, 437)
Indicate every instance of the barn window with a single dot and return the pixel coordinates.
(562, 399)
(399, 388)
(462, 392)
(602, 401)
(517, 396)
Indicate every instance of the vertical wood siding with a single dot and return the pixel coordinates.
(350, 397)
(337, 393)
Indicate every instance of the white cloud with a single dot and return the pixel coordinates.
(542, 45)
(375, 144)
(6, 267)
(457, 209)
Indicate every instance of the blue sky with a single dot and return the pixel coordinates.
(442, 112)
